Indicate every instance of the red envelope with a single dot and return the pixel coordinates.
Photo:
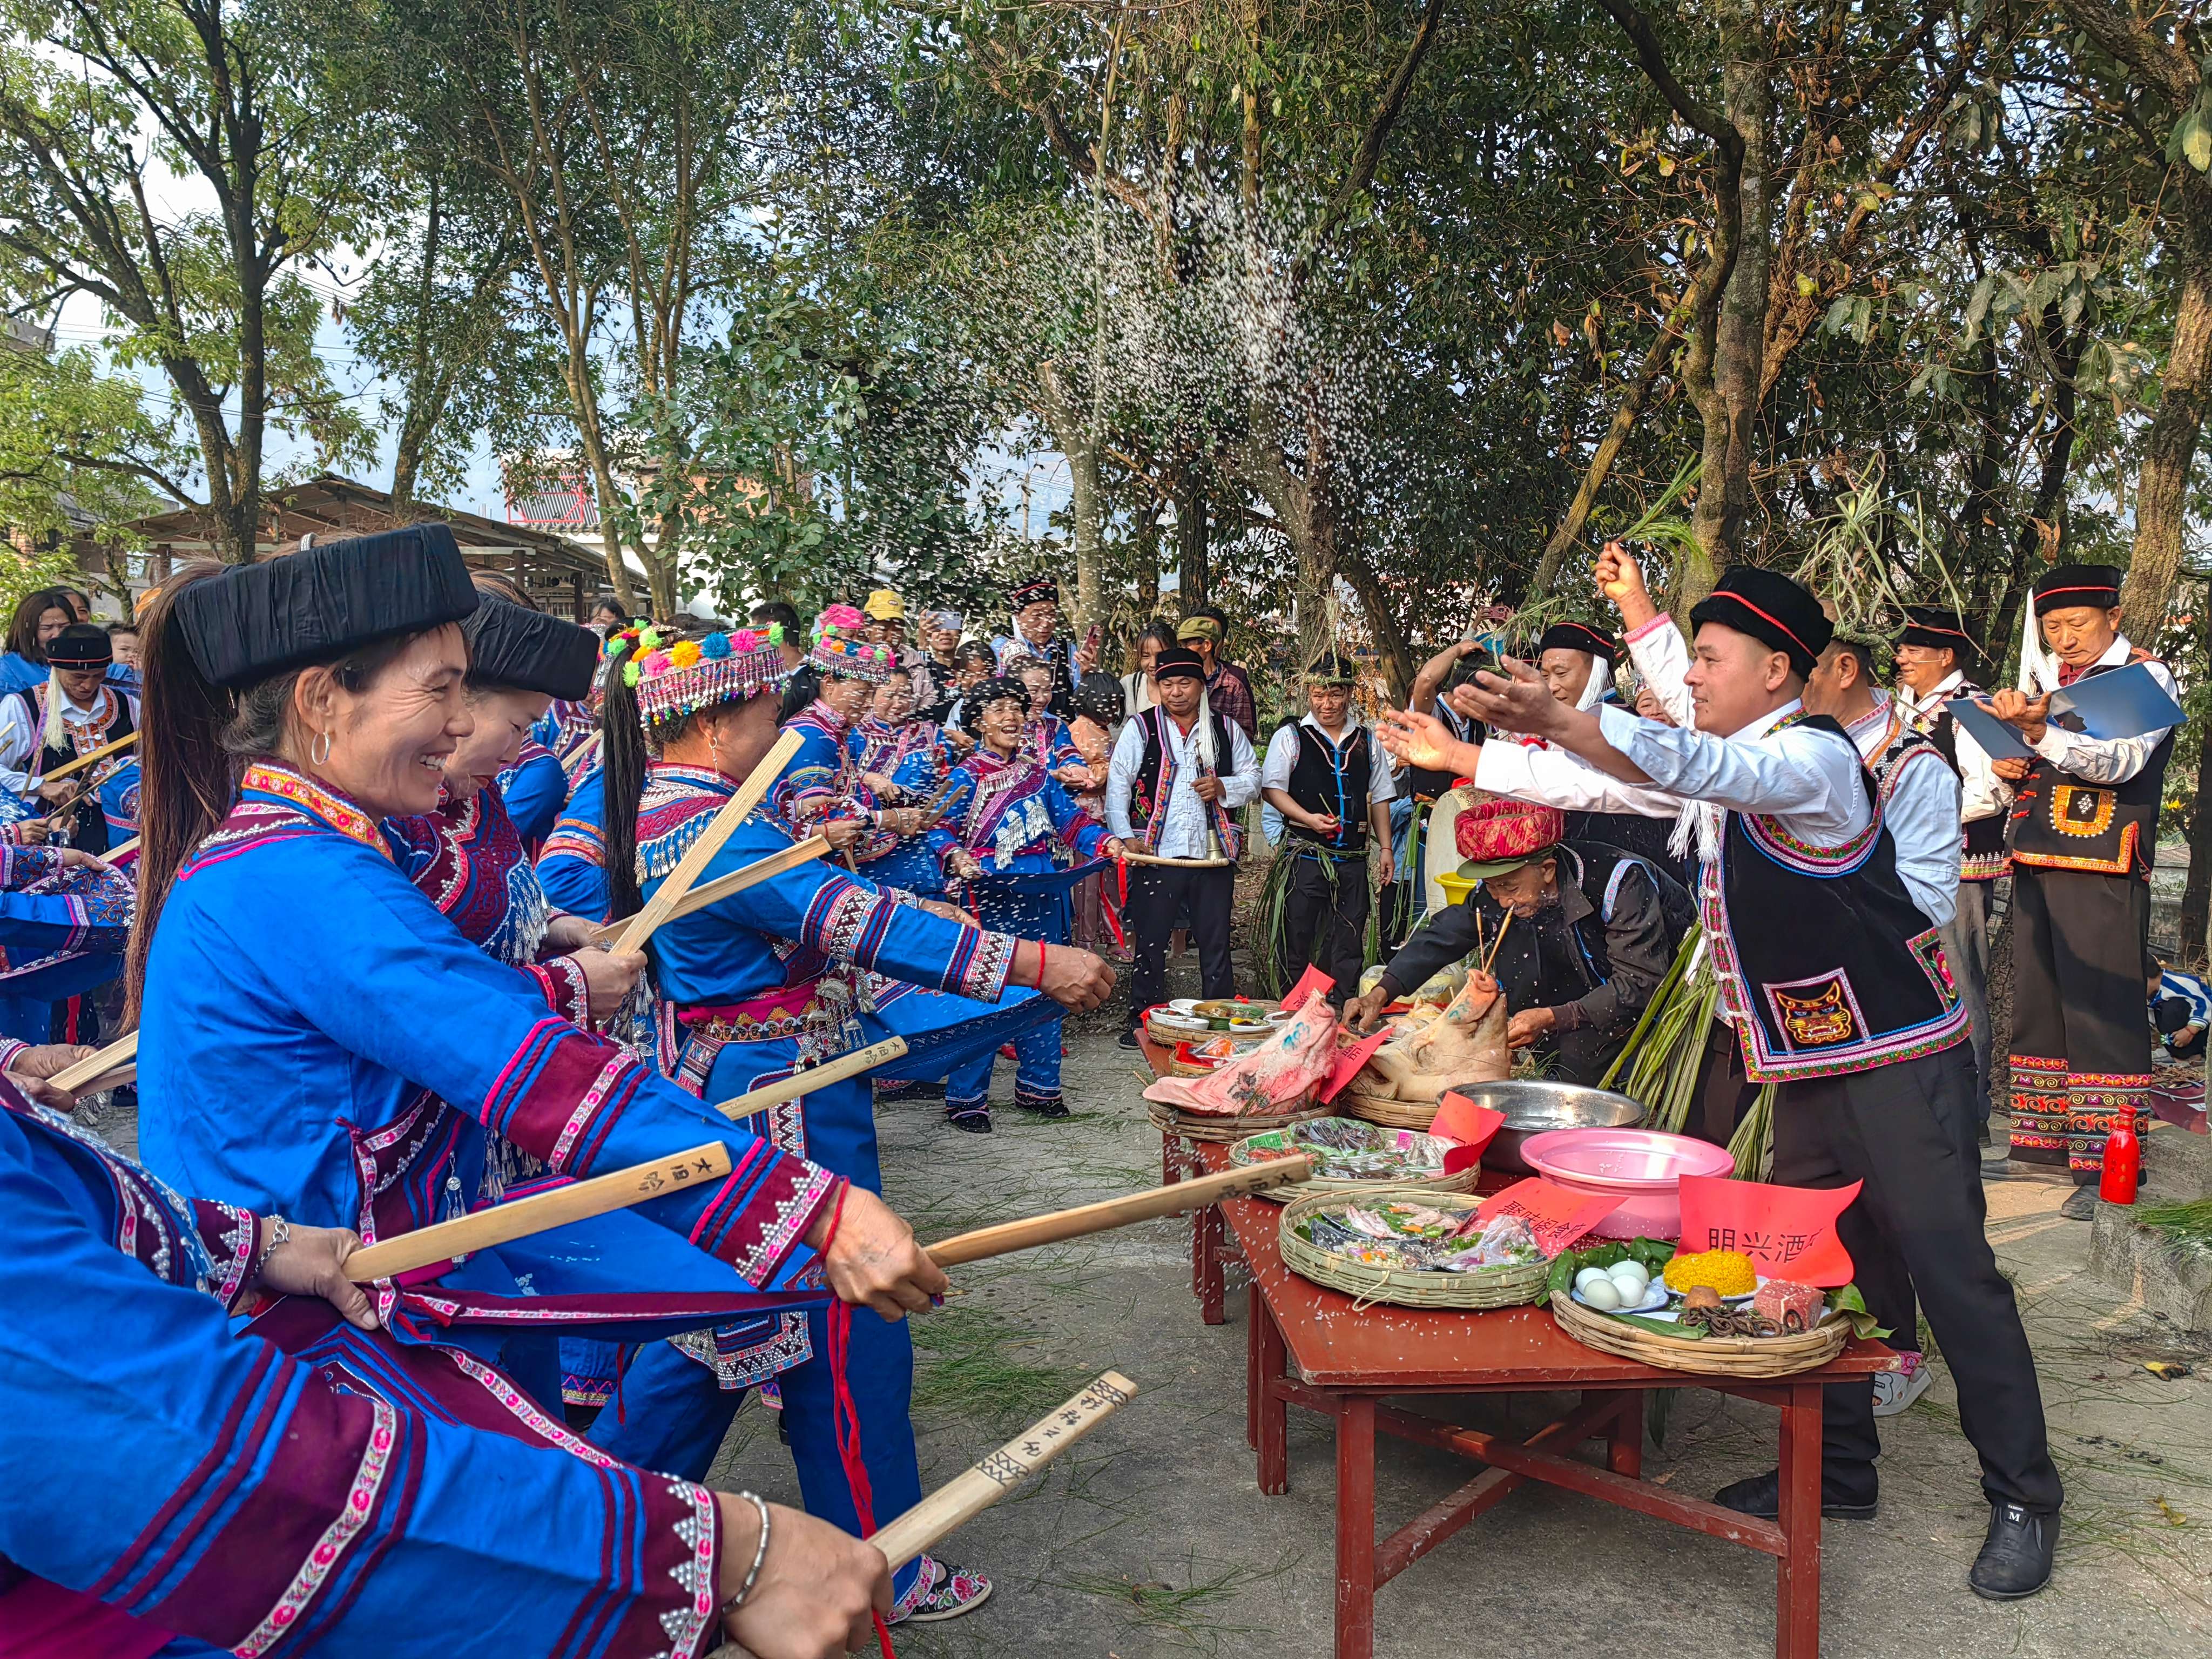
(1461, 1121)
(1555, 1216)
(1789, 1232)
(1350, 1057)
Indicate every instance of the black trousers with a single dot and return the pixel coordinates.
(1157, 893)
(1917, 1235)
(1325, 901)
(2080, 1035)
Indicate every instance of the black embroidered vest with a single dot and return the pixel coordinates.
(2060, 822)
(1330, 778)
(1145, 790)
(1826, 964)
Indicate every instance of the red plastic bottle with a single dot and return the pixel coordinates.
(2122, 1166)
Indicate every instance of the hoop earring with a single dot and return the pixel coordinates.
(318, 752)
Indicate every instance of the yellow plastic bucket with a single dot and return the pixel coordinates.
(1456, 887)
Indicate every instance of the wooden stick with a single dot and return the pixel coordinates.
(967, 1495)
(1215, 863)
(721, 887)
(670, 892)
(846, 1065)
(90, 758)
(94, 1066)
(1111, 1213)
(121, 850)
(505, 1222)
(1505, 923)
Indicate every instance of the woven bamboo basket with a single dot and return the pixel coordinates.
(1198, 1126)
(1167, 1028)
(1462, 1181)
(1390, 1113)
(1486, 1287)
(1711, 1356)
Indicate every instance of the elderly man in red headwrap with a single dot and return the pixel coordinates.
(1593, 931)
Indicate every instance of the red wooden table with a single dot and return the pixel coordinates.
(1307, 1346)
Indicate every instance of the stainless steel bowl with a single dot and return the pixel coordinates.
(1533, 1106)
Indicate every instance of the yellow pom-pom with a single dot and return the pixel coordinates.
(1729, 1271)
(685, 653)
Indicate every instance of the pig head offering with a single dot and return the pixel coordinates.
(1466, 1044)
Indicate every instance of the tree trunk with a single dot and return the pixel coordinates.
(1730, 408)
(2196, 896)
(1071, 433)
(2169, 449)
(1192, 572)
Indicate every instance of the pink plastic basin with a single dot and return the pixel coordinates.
(1643, 1167)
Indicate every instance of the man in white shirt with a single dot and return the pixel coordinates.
(1333, 782)
(1931, 663)
(2084, 832)
(1179, 776)
(1833, 978)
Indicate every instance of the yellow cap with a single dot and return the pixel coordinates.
(883, 606)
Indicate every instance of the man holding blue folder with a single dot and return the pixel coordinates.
(2084, 834)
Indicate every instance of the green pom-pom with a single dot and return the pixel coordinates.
(616, 644)
(629, 675)
(776, 633)
(648, 638)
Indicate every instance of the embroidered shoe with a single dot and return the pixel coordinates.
(1039, 1104)
(975, 1120)
(941, 1592)
(1894, 1391)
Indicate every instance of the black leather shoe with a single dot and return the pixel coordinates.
(975, 1121)
(2015, 1557)
(1761, 1497)
(1129, 1040)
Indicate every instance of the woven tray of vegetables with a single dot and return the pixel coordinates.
(1710, 1313)
(1413, 1247)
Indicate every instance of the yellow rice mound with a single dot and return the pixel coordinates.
(1727, 1271)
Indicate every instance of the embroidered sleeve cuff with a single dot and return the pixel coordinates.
(1661, 620)
(20, 866)
(980, 965)
(562, 982)
(682, 1548)
(763, 1211)
(230, 1235)
(9, 1048)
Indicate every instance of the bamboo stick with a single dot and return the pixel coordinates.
(74, 1079)
(121, 850)
(850, 1063)
(1032, 1230)
(1503, 922)
(714, 891)
(90, 758)
(505, 1222)
(750, 792)
(967, 1495)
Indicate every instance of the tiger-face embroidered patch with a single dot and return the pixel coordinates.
(1817, 1021)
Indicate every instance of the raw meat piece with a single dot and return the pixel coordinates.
(1466, 1044)
(1276, 1077)
(1793, 1307)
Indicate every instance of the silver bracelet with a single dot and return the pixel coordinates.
(276, 1233)
(760, 1554)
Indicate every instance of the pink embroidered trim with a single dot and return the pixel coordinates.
(316, 1569)
(699, 1532)
(521, 1405)
(594, 1098)
(341, 814)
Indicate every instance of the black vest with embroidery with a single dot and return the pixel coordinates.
(2061, 823)
(1327, 779)
(1983, 857)
(1826, 964)
(1145, 789)
(87, 822)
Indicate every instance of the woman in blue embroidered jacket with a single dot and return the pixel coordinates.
(361, 1500)
(572, 865)
(532, 780)
(902, 758)
(282, 958)
(823, 790)
(64, 920)
(782, 976)
(1007, 824)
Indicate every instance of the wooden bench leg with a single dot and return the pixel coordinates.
(1797, 1571)
(1355, 1528)
(1624, 1445)
(1253, 1315)
(1209, 1227)
(1271, 1414)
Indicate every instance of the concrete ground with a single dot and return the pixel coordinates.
(1151, 1538)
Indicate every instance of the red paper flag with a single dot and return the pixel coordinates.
(1789, 1232)
(1352, 1054)
(1461, 1121)
(1310, 982)
(1555, 1216)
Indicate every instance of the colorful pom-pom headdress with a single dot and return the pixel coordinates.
(675, 678)
(842, 647)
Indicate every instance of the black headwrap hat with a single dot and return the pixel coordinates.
(1030, 590)
(254, 621)
(80, 645)
(530, 651)
(1770, 608)
(1178, 663)
(2065, 585)
(1331, 668)
(1579, 636)
(1938, 630)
